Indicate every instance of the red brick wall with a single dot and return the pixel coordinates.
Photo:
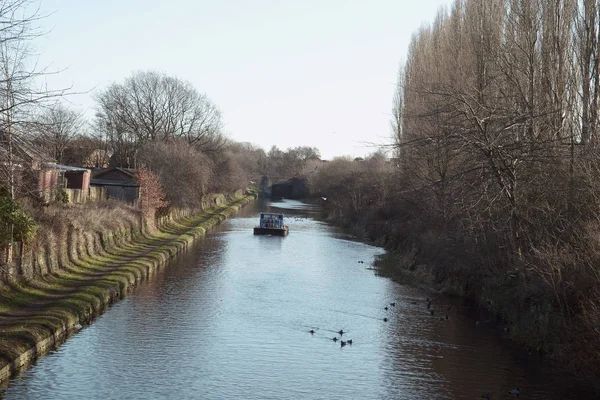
(47, 180)
(85, 184)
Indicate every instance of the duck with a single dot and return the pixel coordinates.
(385, 320)
(341, 332)
(349, 341)
(312, 331)
(335, 339)
(393, 304)
(515, 391)
(385, 308)
(342, 343)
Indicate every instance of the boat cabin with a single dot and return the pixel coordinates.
(270, 220)
(271, 224)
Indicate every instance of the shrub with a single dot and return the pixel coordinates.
(13, 216)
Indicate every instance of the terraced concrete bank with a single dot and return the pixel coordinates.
(38, 315)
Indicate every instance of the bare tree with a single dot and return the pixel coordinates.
(56, 127)
(588, 40)
(150, 107)
(496, 120)
(19, 94)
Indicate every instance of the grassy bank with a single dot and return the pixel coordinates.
(38, 314)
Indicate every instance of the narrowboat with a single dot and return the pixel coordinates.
(271, 224)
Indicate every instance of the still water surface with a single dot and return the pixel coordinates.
(231, 318)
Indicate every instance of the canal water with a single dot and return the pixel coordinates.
(230, 319)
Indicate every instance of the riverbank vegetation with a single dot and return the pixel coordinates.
(493, 192)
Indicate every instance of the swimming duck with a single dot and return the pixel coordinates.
(342, 343)
(385, 308)
(341, 332)
(515, 391)
(385, 320)
(311, 331)
(393, 304)
(335, 339)
(349, 341)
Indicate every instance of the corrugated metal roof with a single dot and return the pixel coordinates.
(108, 182)
(126, 171)
(62, 167)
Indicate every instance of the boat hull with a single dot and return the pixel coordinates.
(271, 231)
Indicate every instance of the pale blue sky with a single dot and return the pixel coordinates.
(287, 72)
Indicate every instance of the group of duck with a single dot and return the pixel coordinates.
(343, 343)
(432, 313)
(341, 332)
(515, 392)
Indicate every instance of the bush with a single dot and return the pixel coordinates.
(152, 195)
(183, 171)
(13, 216)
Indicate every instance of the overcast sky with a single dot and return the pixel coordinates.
(288, 73)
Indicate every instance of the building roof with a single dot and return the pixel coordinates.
(69, 168)
(125, 173)
(23, 150)
(108, 182)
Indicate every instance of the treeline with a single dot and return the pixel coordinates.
(354, 191)
(163, 124)
(157, 122)
(497, 169)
